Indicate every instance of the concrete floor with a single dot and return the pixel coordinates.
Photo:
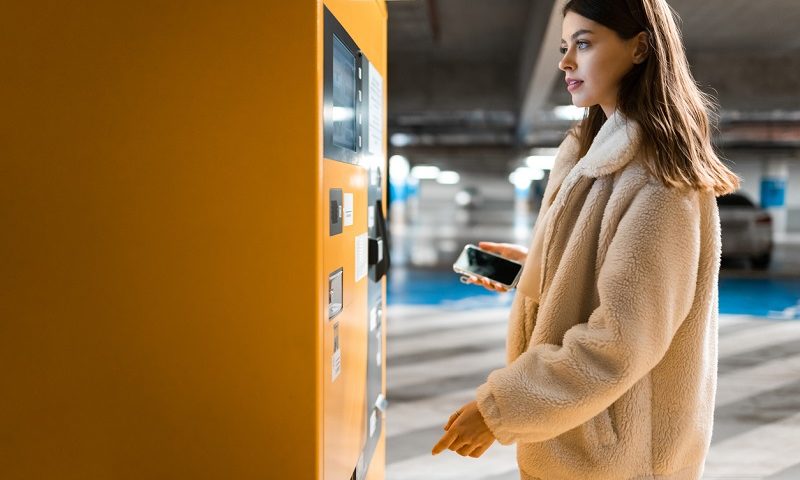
(757, 418)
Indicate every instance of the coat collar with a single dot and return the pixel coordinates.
(613, 147)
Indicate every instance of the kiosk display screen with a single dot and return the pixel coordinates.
(344, 96)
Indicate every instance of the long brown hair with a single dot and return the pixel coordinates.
(662, 96)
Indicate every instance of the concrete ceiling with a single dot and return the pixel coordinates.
(458, 30)
(740, 25)
(480, 74)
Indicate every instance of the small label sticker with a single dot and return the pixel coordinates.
(374, 175)
(348, 209)
(362, 244)
(336, 358)
(371, 216)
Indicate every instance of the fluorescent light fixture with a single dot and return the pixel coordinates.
(400, 139)
(519, 181)
(398, 168)
(425, 172)
(538, 174)
(541, 162)
(463, 198)
(532, 173)
(448, 177)
(569, 112)
(523, 176)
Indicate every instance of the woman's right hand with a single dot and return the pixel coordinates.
(511, 251)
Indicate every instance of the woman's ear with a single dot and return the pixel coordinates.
(641, 47)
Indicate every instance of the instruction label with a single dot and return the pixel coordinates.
(375, 111)
(362, 245)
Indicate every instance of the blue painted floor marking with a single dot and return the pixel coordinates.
(774, 298)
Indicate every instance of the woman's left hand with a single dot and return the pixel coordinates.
(466, 433)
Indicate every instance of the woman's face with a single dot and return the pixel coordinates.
(595, 59)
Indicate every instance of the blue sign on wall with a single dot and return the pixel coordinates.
(397, 191)
(412, 188)
(773, 192)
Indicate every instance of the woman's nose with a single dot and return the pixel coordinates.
(566, 62)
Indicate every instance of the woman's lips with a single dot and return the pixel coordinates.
(574, 85)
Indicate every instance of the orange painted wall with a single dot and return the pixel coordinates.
(154, 305)
(161, 237)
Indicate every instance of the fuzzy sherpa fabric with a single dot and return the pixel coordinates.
(612, 345)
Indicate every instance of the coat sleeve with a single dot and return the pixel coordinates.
(646, 287)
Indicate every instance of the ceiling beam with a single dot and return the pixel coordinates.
(542, 73)
(433, 18)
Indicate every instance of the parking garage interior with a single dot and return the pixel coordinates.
(228, 231)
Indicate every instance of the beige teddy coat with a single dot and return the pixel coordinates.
(612, 341)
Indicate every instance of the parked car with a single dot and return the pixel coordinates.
(746, 230)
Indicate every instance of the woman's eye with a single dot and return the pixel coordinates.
(582, 45)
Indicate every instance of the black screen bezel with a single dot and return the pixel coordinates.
(496, 258)
(331, 150)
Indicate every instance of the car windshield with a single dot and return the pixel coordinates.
(734, 200)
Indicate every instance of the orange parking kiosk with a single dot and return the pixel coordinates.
(194, 250)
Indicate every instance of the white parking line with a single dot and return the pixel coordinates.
(476, 335)
(451, 466)
(770, 333)
(432, 319)
(405, 375)
(760, 452)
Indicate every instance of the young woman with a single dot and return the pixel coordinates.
(612, 343)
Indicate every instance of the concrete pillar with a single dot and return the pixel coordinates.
(412, 197)
(521, 198)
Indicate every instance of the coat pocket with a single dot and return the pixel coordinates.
(603, 427)
(521, 322)
(529, 320)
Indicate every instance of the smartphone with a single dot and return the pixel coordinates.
(480, 263)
